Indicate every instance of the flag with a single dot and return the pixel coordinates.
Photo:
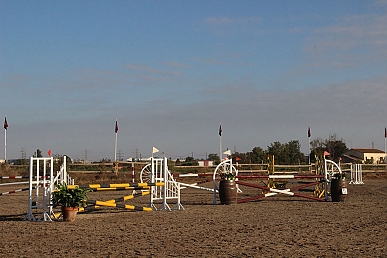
(385, 132)
(116, 130)
(309, 134)
(326, 153)
(49, 153)
(237, 159)
(220, 130)
(155, 150)
(5, 123)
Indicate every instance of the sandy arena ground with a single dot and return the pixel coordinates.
(273, 227)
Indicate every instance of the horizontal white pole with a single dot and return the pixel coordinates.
(188, 175)
(286, 191)
(281, 176)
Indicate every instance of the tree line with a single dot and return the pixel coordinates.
(290, 153)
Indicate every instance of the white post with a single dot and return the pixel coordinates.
(30, 216)
(166, 187)
(115, 146)
(309, 135)
(5, 145)
(65, 177)
(115, 150)
(220, 143)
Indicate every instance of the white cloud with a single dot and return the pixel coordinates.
(355, 39)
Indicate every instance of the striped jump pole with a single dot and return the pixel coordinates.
(21, 177)
(128, 197)
(281, 176)
(129, 185)
(16, 191)
(116, 205)
(119, 189)
(14, 183)
(113, 203)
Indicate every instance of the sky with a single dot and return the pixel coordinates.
(171, 72)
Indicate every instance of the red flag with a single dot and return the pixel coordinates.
(220, 130)
(5, 123)
(385, 132)
(49, 153)
(309, 134)
(116, 130)
(237, 158)
(326, 153)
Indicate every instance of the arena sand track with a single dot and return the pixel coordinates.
(274, 227)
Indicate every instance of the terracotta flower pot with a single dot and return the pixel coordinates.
(69, 213)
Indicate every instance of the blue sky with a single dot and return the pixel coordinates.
(172, 71)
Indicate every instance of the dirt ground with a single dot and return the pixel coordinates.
(282, 226)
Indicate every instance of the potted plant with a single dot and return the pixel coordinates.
(227, 188)
(70, 200)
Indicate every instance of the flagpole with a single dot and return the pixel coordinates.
(5, 145)
(220, 143)
(115, 146)
(5, 138)
(220, 149)
(309, 134)
(115, 150)
(309, 149)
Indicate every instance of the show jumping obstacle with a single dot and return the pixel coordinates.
(35, 187)
(39, 195)
(356, 174)
(156, 172)
(147, 174)
(161, 188)
(276, 182)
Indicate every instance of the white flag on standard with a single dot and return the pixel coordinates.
(155, 150)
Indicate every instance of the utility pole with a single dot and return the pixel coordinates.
(85, 157)
(120, 155)
(23, 156)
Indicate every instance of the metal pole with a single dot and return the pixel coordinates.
(5, 144)
(309, 134)
(220, 149)
(115, 150)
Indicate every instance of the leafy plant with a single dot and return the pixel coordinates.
(338, 176)
(74, 197)
(227, 175)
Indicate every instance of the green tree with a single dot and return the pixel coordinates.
(276, 149)
(292, 153)
(190, 161)
(258, 155)
(214, 157)
(336, 147)
(286, 154)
